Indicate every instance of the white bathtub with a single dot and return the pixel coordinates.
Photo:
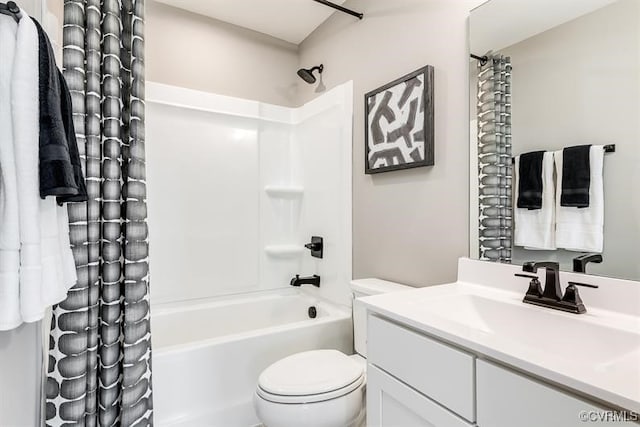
(207, 356)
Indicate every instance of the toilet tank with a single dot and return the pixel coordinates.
(364, 288)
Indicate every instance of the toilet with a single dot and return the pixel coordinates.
(321, 388)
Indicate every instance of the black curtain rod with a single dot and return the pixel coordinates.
(340, 8)
(483, 59)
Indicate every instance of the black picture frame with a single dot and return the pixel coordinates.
(393, 152)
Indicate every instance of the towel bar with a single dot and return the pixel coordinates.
(609, 148)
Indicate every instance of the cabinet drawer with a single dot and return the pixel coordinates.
(507, 399)
(391, 403)
(437, 370)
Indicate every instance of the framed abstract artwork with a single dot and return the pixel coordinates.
(399, 123)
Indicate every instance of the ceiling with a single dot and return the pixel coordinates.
(289, 20)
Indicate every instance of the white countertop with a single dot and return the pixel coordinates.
(596, 354)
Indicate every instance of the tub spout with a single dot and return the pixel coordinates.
(311, 280)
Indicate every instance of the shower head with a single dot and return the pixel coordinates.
(307, 74)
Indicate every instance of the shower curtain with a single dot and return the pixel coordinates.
(494, 159)
(99, 367)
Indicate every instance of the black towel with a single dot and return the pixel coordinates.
(576, 176)
(530, 180)
(72, 143)
(60, 168)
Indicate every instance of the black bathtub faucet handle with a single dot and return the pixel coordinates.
(316, 246)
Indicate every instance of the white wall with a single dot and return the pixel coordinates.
(196, 52)
(408, 226)
(20, 376)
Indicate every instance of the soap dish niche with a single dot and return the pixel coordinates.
(284, 191)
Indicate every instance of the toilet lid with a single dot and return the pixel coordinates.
(310, 372)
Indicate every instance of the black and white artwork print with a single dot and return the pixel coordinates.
(399, 123)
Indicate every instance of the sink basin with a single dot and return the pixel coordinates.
(563, 335)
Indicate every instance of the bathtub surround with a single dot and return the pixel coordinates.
(100, 342)
(274, 177)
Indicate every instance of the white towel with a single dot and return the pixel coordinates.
(36, 262)
(25, 110)
(58, 273)
(582, 229)
(57, 258)
(68, 266)
(9, 215)
(58, 266)
(535, 229)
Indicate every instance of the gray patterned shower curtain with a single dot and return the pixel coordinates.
(99, 368)
(495, 169)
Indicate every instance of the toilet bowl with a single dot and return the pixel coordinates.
(321, 388)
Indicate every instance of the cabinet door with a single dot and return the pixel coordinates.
(391, 403)
(439, 371)
(507, 399)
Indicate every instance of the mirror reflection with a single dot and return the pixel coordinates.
(555, 135)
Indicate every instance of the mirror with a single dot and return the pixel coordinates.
(564, 73)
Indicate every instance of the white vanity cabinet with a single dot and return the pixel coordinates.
(392, 403)
(414, 380)
(506, 398)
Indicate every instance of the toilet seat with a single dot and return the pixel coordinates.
(310, 398)
(311, 376)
